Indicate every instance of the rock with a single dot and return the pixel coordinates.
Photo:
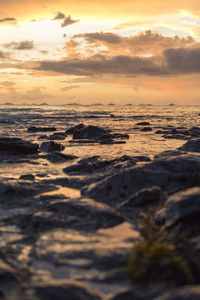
(71, 130)
(58, 136)
(125, 295)
(143, 197)
(171, 175)
(18, 146)
(89, 132)
(183, 293)
(40, 129)
(7, 277)
(94, 165)
(181, 212)
(86, 213)
(64, 289)
(191, 146)
(27, 177)
(143, 123)
(57, 157)
(51, 146)
(168, 154)
(146, 129)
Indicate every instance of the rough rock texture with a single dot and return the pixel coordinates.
(184, 293)
(17, 145)
(27, 177)
(40, 129)
(143, 197)
(182, 212)
(51, 146)
(191, 146)
(62, 290)
(89, 132)
(70, 131)
(170, 175)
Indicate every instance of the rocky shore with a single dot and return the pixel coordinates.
(126, 228)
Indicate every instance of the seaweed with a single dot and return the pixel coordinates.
(161, 256)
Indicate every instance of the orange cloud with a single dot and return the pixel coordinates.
(147, 42)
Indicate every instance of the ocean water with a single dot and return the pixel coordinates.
(15, 120)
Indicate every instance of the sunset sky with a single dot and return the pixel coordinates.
(131, 51)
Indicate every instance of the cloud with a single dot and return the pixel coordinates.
(107, 37)
(147, 42)
(8, 20)
(70, 87)
(59, 16)
(68, 21)
(7, 83)
(23, 45)
(183, 60)
(99, 65)
(4, 55)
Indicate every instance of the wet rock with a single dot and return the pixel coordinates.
(168, 154)
(143, 197)
(191, 146)
(93, 165)
(17, 145)
(125, 295)
(142, 158)
(8, 279)
(57, 157)
(143, 123)
(40, 129)
(111, 142)
(170, 175)
(27, 177)
(181, 212)
(58, 136)
(86, 214)
(183, 293)
(19, 193)
(51, 146)
(89, 132)
(146, 129)
(62, 290)
(71, 130)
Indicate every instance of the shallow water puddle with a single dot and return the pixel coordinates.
(66, 191)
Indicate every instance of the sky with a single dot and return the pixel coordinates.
(87, 52)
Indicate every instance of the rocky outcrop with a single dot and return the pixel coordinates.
(18, 146)
(181, 212)
(51, 146)
(191, 146)
(171, 175)
(89, 132)
(41, 129)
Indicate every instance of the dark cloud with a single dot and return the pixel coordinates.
(23, 45)
(99, 65)
(183, 60)
(144, 42)
(59, 16)
(5, 20)
(108, 37)
(68, 21)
